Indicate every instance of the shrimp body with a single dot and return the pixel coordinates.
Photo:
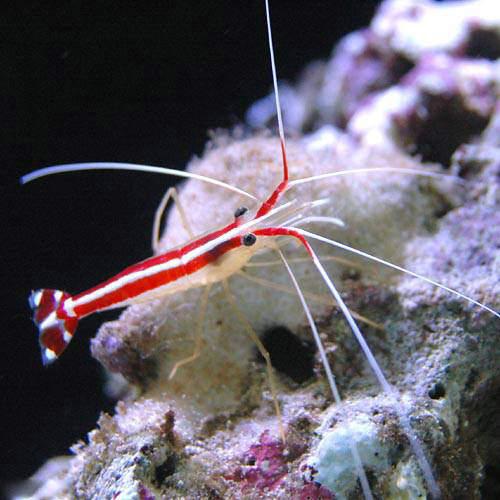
(208, 259)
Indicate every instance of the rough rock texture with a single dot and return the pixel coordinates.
(398, 88)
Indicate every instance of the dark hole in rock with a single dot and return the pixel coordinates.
(483, 44)
(437, 391)
(490, 489)
(166, 469)
(400, 67)
(448, 125)
(351, 274)
(289, 354)
(444, 208)
(483, 431)
(468, 166)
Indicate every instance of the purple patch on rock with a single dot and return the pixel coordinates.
(264, 466)
(314, 491)
(145, 493)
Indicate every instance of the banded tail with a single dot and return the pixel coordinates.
(56, 327)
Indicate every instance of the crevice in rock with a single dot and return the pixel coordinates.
(490, 489)
(447, 125)
(290, 355)
(166, 469)
(483, 44)
(483, 409)
(437, 391)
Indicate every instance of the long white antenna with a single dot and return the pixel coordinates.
(276, 92)
(77, 167)
(334, 243)
(391, 391)
(370, 170)
(365, 486)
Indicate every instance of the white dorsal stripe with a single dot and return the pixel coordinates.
(121, 282)
(172, 263)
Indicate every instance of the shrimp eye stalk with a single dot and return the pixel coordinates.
(240, 211)
(249, 239)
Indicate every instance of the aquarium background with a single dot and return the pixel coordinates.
(90, 81)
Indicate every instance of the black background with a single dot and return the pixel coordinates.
(90, 81)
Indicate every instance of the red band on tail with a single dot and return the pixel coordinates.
(55, 326)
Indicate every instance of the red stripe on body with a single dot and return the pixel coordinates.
(208, 237)
(150, 283)
(148, 263)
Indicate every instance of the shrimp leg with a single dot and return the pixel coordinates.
(263, 351)
(173, 194)
(199, 334)
(320, 299)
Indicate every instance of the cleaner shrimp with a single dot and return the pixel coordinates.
(216, 256)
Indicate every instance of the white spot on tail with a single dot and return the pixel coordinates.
(67, 336)
(49, 354)
(35, 299)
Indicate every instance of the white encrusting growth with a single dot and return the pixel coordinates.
(280, 214)
(332, 463)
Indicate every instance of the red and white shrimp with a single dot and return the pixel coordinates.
(219, 254)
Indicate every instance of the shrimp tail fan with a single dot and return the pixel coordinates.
(55, 326)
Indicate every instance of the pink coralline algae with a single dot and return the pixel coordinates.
(264, 467)
(314, 491)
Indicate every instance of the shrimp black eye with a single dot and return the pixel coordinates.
(249, 239)
(240, 211)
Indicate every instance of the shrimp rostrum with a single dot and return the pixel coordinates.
(265, 235)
